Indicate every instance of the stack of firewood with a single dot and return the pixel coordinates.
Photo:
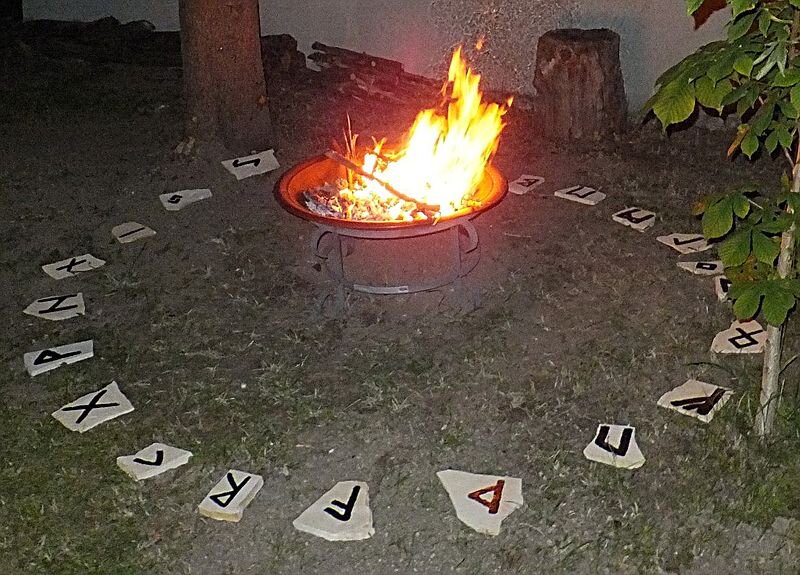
(364, 76)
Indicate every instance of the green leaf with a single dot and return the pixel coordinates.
(693, 6)
(723, 65)
(785, 138)
(675, 102)
(788, 109)
(771, 143)
(741, 26)
(739, 6)
(777, 303)
(765, 248)
(761, 120)
(795, 96)
(735, 249)
(744, 65)
(718, 218)
(786, 79)
(747, 301)
(750, 144)
(709, 95)
(741, 205)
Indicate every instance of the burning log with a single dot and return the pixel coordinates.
(427, 209)
(579, 83)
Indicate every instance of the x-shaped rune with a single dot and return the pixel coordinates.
(91, 406)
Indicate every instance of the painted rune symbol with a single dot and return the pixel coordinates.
(624, 443)
(347, 508)
(91, 406)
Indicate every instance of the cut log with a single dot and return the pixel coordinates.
(578, 80)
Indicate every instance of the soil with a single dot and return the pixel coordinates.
(219, 331)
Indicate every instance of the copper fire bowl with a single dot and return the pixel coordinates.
(315, 172)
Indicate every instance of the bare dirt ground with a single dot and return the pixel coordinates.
(211, 329)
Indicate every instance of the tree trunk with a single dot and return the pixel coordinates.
(578, 80)
(223, 75)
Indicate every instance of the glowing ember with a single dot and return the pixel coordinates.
(435, 171)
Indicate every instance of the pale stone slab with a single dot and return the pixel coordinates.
(131, 232)
(153, 460)
(696, 399)
(707, 268)
(43, 360)
(229, 498)
(581, 194)
(58, 307)
(635, 218)
(94, 408)
(175, 201)
(615, 445)
(685, 243)
(72, 266)
(254, 165)
(482, 502)
(741, 337)
(342, 514)
(524, 184)
(722, 287)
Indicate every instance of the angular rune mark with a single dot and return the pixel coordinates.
(73, 262)
(702, 405)
(707, 266)
(89, 407)
(691, 240)
(624, 443)
(175, 199)
(158, 461)
(745, 338)
(630, 215)
(238, 164)
(497, 495)
(59, 299)
(130, 233)
(347, 508)
(229, 495)
(49, 356)
(576, 192)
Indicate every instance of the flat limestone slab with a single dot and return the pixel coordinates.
(254, 165)
(685, 243)
(229, 498)
(581, 194)
(94, 408)
(342, 514)
(72, 266)
(482, 502)
(696, 399)
(131, 232)
(524, 184)
(707, 268)
(635, 218)
(175, 201)
(615, 445)
(741, 337)
(722, 287)
(57, 307)
(153, 460)
(43, 360)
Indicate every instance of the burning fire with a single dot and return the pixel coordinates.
(439, 165)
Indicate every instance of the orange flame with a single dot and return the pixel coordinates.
(443, 157)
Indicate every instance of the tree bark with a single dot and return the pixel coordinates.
(223, 75)
(578, 79)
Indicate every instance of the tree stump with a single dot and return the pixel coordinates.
(578, 79)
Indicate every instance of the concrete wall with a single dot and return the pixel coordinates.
(421, 33)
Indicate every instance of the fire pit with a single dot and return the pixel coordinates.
(435, 182)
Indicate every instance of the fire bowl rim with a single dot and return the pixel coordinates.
(289, 201)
